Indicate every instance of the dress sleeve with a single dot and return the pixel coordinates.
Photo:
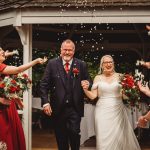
(2, 67)
(95, 86)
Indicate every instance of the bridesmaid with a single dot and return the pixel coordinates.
(11, 131)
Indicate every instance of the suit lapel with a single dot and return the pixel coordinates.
(61, 69)
(74, 65)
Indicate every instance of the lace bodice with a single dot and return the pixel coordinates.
(106, 89)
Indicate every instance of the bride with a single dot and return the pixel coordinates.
(113, 129)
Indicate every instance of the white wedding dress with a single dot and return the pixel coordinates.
(112, 126)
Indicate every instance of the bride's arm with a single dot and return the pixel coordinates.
(92, 94)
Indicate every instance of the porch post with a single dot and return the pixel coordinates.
(25, 33)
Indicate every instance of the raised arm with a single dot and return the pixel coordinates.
(15, 70)
(145, 89)
(145, 64)
(8, 53)
(92, 94)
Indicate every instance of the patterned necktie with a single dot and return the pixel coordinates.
(67, 67)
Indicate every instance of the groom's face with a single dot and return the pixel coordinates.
(67, 51)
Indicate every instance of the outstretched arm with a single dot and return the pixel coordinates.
(15, 70)
(145, 64)
(8, 53)
(145, 89)
(92, 94)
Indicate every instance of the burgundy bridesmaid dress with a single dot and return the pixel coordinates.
(11, 131)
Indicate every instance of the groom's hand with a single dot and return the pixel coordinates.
(47, 110)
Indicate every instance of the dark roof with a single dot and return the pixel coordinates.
(9, 4)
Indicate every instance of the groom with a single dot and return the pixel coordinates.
(63, 78)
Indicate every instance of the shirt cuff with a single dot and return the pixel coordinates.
(46, 105)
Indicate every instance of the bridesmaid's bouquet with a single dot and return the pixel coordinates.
(13, 86)
(130, 90)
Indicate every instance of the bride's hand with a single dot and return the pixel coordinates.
(85, 84)
(125, 97)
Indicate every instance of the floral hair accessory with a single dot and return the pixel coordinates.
(75, 72)
(13, 86)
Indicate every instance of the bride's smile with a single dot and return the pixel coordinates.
(108, 66)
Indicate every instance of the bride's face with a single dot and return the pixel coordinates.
(108, 65)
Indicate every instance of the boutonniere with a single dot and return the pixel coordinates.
(75, 72)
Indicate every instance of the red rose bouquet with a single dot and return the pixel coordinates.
(130, 90)
(13, 86)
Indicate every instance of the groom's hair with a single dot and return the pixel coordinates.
(68, 41)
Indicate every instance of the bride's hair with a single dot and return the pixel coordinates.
(101, 63)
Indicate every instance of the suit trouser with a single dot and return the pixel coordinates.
(67, 129)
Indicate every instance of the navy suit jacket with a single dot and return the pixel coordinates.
(53, 84)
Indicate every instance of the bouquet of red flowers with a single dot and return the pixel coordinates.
(130, 90)
(13, 86)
